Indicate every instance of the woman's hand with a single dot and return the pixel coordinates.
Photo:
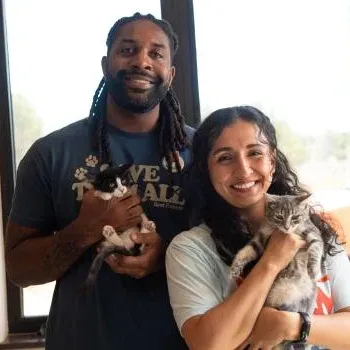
(271, 328)
(281, 249)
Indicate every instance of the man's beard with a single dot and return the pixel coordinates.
(145, 102)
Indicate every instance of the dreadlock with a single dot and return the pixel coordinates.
(172, 135)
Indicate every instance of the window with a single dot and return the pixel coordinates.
(46, 50)
(291, 60)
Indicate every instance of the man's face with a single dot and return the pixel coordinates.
(138, 70)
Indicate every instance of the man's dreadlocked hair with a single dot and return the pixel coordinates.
(172, 135)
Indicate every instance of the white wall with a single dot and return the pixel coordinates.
(3, 301)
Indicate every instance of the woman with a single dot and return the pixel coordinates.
(236, 161)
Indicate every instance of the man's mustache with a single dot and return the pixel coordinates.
(121, 74)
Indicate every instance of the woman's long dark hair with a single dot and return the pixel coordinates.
(229, 231)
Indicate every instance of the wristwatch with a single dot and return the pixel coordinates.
(305, 327)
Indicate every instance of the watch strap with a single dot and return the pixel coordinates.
(305, 327)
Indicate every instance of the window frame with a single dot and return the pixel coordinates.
(180, 14)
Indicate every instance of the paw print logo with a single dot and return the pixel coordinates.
(80, 174)
(91, 161)
(173, 164)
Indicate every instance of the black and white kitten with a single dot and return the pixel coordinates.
(294, 288)
(108, 184)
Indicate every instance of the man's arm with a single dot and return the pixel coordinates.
(34, 257)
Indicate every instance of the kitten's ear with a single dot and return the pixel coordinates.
(270, 200)
(303, 198)
(122, 169)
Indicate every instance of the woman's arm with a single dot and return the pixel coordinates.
(228, 324)
(331, 331)
(273, 326)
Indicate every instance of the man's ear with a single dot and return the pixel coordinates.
(172, 75)
(104, 65)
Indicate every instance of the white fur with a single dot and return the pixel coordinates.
(123, 239)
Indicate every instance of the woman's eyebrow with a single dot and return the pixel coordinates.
(228, 149)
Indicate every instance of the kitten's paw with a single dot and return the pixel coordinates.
(314, 272)
(108, 231)
(236, 269)
(91, 161)
(119, 192)
(234, 274)
(80, 174)
(112, 236)
(149, 226)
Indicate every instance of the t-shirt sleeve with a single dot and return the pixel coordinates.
(32, 201)
(192, 282)
(339, 273)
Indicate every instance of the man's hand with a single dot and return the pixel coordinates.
(150, 260)
(95, 213)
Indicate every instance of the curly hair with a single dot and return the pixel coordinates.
(172, 134)
(231, 234)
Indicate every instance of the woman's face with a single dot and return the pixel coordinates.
(241, 165)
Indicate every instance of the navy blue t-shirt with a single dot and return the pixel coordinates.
(120, 312)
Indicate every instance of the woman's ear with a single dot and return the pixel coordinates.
(273, 162)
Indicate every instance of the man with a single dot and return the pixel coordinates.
(56, 220)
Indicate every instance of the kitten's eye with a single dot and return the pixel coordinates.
(295, 217)
(279, 218)
(111, 185)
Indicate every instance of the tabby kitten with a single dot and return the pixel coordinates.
(108, 184)
(294, 288)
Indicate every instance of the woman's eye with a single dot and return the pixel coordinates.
(224, 158)
(255, 153)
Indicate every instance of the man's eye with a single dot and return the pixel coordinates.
(126, 50)
(157, 54)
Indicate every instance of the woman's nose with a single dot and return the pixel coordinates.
(243, 167)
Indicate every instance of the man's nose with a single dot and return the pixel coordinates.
(141, 60)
